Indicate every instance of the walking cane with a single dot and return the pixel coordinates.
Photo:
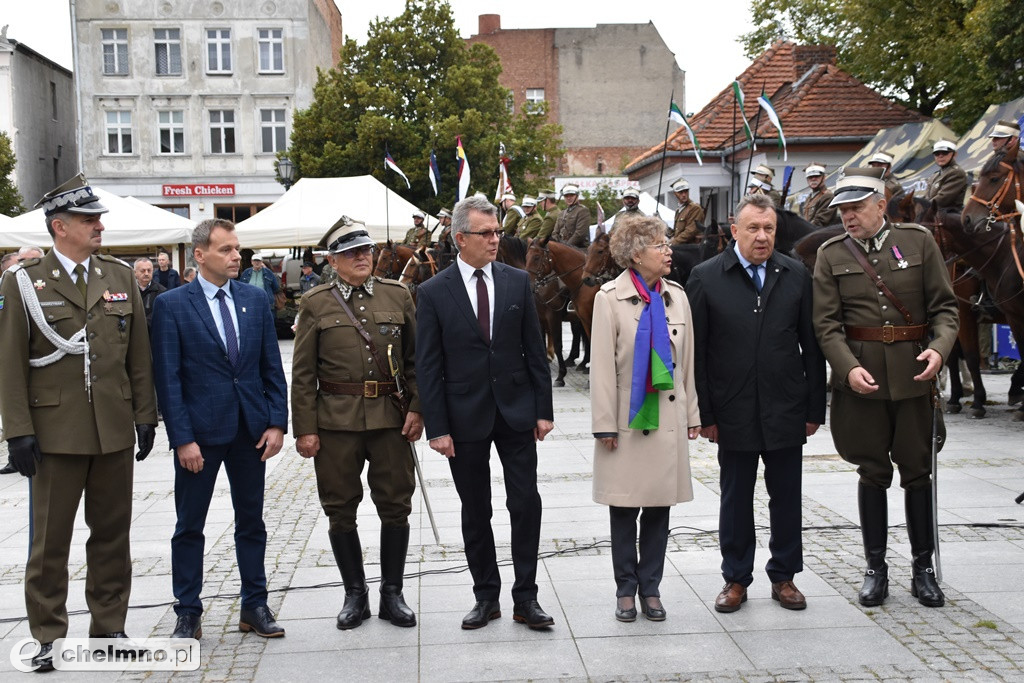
(936, 416)
(423, 489)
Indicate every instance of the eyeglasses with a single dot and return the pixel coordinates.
(357, 252)
(663, 246)
(486, 234)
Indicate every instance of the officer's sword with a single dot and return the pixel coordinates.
(412, 448)
(936, 416)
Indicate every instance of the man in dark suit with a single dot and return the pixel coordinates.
(223, 395)
(760, 380)
(483, 379)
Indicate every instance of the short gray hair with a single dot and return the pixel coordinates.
(24, 252)
(634, 234)
(201, 234)
(144, 259)
(759, 201)
(460, 216)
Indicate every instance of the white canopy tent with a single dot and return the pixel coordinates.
(311, 206)
(647, 204)
(129, 222)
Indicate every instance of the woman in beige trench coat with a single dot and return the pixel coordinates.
(634, 468)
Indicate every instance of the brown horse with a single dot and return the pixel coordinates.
(987, 237)
(420, 267)
(390, 259)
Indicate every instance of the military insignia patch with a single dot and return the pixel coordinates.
(39, 284)
(55, 273)
(1, 302)
(99, 272)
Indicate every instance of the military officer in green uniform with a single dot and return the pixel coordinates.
(76, 378)
(572, 226)
(630, 203)
(766, 174)
(884, 160)
(883, 365)
(417, 236)
(817, 208)
(532, 220)
(514, 214)
(1004, 135)
(685, 227)
(947, 186)
(346, 412)
(548, 201)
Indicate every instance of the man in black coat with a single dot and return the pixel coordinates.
(760, 380)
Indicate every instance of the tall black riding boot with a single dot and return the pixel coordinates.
(923, 586)
(874, 527)
(348, 553)
(394, 543)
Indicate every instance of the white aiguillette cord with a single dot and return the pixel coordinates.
(78, 343)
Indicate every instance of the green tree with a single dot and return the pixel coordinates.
(940, 57)
(10, 198)
(414, 86)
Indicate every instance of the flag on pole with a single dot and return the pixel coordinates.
(600, 219)
(504, 184)
(738, 92)
(390, 163)
(675, 114)
(766, 104)
(434, 173)
(460, 155)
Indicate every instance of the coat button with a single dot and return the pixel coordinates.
(646, 432)
(885, 308)
(675, 331)
(362, 308)
(671, 397)
(92, 357)
(50, 317)
(370, 373)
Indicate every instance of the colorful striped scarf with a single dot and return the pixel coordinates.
(652, 357)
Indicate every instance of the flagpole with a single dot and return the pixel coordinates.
(387, 212)
(664, 152)
(732, 166)
(753, 138)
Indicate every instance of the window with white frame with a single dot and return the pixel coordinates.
(218, 50)
(272, 130)
(119, 132)
(535, 95)
(271, 44)
(222, 131)
(167, 43)
(171, 126)
(115, 51)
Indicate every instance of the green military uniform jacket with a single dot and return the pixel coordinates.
(892, 187)
(547, 225)
(51, 402)
(530, 226)
(948, 187)
(327, 345)
(845, 295)
(417, 242)
(685, 229)
(513, 219)
(573, 226)
(816, 209)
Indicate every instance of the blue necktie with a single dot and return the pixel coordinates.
(229, 328)
(756, 275)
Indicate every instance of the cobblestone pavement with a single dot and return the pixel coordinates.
(979, 635)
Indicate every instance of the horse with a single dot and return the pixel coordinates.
(986, 238)
(391, 259)
(422, 266)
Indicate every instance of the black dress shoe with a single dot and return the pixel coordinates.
(483, 612)
(260, 620)
(651, 612)
(625, 614)
(44, 660)
(8, 468)
(529, 612)
(188, 626)
(127, 650)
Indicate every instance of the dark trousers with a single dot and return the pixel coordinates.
(192, 494)
(643, 574)
(472, 475)
(782, 471)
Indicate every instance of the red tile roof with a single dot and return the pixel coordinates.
(813, 97)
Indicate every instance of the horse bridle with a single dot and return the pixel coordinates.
(997, 199)
(541, 280)
(417, 263)
(391, 273)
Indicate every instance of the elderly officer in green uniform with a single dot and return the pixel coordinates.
(884, 160)
(76, 377)
(352, 369)
(548, 201)
(947, 186)
(532, 220)
(514, 214)
(817, 209)
(417, 236)
(572, 226)
(885, 346)
(685, 227)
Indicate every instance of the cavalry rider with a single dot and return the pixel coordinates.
(884, 161)
(513, 214)
(1004, 135)
(949, 184)
(532, 220)
(766, 175)
(572, 226)
(817, 209)
(417, 236)
(686, 228)
(630, 203)
(885, 344)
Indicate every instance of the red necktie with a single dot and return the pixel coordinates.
(483, 306)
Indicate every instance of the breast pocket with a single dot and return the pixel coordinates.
(337, 333)
(851, 279)
(907, 275)
(118, 320)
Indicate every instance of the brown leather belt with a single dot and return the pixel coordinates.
(369, 389)
(887, 334)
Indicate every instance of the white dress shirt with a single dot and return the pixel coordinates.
(210, 292)
(69, 266)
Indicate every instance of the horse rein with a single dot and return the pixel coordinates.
(997, 199)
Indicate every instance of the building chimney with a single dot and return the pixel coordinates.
(806, 56)
(489, 23)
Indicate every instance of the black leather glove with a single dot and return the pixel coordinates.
(24, 454)
(145, 434)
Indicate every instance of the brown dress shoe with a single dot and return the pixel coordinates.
(788, 595)
(733, 595)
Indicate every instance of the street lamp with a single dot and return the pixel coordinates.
(285, 172)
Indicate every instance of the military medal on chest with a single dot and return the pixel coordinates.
(900, 261)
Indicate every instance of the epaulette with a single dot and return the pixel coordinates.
(834, 240)
(319, 288)
(911, 226)
(24, 264)
(113, 259)
(608, 286)
(387, 281)
(672, 283)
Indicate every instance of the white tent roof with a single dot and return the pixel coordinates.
(647, 204)
(312, 205)
(129, 222)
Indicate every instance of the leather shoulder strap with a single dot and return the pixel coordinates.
(384, 372)
(877, 279)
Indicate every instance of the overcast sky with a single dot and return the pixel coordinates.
(702, 34)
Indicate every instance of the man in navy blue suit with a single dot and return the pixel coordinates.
(483, 378)
(223, 395)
